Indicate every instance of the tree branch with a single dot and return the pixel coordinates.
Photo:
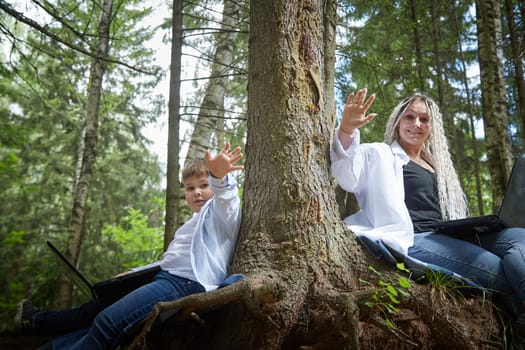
(30, 22)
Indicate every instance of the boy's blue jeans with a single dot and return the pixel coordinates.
(107, 328)
(494, 260)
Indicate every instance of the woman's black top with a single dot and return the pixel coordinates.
(421, 196)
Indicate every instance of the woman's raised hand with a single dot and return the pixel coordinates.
(355, 111)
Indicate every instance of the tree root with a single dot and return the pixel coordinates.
(252, 291)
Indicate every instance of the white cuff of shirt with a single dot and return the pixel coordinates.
(218, 182)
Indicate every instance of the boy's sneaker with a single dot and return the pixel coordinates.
(24, 316)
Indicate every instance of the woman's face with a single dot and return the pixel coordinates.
(414, 126)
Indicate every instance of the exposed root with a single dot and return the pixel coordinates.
(251, 291)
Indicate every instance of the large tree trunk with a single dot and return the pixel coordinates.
(173, 186)
(88, 150)
(291, 231)
(493, 100)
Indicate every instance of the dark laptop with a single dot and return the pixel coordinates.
(510, 214)
(110, 290)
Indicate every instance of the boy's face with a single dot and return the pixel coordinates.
(197, 191)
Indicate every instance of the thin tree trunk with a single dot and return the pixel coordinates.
(493, 95)
(470, 113)
(448, 120)
(211, 120)
(173, 192)
(519, 77)
(521, 5)
(211, 113)
(436, 36)
(417, 46)
(88, 150)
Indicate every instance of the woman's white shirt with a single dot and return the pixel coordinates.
(374, 173)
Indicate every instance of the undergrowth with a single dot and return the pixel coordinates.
(388, 295)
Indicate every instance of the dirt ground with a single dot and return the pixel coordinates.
(441, 321)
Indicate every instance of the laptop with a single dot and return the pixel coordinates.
(107, 291)
(510, 214)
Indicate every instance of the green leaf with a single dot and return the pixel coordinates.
(390, 324)
(401, 266)
(392, 309)
(404, 282)
(391, 290)
(393, 299)
(16, 237)
(371, 268)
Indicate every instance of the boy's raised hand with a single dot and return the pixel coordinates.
(224, 162)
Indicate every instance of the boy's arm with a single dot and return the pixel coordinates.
(225, 198)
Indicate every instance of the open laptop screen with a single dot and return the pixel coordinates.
(76, 277)
(512, 210)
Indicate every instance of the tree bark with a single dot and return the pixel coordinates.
(173, 185)
(88, 150)
(297, 239)
(493, 100)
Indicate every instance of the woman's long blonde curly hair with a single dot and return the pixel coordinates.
(452, 199)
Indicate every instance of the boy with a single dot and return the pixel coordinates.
(196, 260)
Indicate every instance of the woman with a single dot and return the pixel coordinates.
(407, 184)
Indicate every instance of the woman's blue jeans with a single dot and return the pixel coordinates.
(118, 322)
(494, 260)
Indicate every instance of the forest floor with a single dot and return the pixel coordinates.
(445, 322)
(431, 319)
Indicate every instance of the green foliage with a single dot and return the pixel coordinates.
(387, 296)
(43, 94)
(139, 244)
(14, 238)
(448, 284)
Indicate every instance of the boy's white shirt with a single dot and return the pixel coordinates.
(374, 173)
(203, 247)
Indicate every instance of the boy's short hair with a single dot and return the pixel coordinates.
(195, 167)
